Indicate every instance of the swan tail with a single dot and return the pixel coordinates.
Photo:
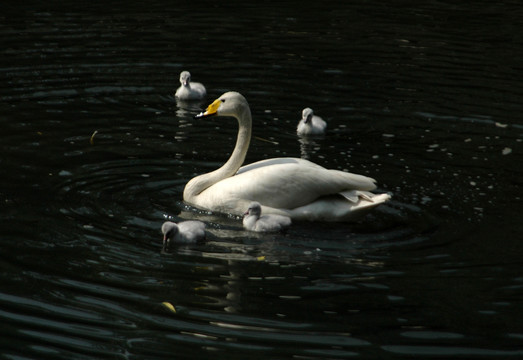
(351, 206)
(354, 196)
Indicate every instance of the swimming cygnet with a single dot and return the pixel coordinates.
(189, 90)
(185, 232)
(254, 221)
(311, 124)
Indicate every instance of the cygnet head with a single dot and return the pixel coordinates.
(185, 78)
(253, 210)
(169, 230)
(307, 115)
(231, 103)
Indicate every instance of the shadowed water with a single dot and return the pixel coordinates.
(96, 152)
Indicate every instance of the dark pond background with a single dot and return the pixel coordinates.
(424, 96)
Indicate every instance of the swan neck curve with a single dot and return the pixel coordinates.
(198, 184)
(242, 144)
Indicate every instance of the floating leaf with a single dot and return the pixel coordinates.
(506, 151)
(260, 258)
(169, 306)
(92, 137)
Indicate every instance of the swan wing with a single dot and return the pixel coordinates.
(278, 161)
(337, 208)
(285, 183)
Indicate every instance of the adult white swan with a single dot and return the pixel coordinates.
(292, 187)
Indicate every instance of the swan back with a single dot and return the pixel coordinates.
(254, 221)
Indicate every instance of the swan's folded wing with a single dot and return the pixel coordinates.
(288, 184)
(355, 195)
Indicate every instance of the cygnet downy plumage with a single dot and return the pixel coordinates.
(254, 221)
(189, 90)
(310, 124)
(185, 232)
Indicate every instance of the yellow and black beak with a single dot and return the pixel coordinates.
(211, 110)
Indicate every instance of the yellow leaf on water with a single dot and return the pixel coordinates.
(260, 258)
(92, 137)
(169, 306)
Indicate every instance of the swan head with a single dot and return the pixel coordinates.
(231, 103)
(185, 78)
(306, 115)
(169, 230)
(253, 210)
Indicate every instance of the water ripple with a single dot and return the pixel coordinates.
(96, 152)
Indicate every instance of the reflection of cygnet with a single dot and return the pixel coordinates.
(185, 232)
(311, 124)
(189, 90)
(253, 221)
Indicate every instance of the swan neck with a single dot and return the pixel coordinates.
(242, 144)
(198, 184)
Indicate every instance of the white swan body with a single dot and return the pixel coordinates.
(253, 220)
(310, 124)
(185, 232)
(291, 187)
(189, 90)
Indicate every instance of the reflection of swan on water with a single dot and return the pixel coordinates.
(310, 124)
(189, 90)
(291, 187)
(253, 220)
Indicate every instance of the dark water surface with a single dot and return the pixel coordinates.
(425, 98)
